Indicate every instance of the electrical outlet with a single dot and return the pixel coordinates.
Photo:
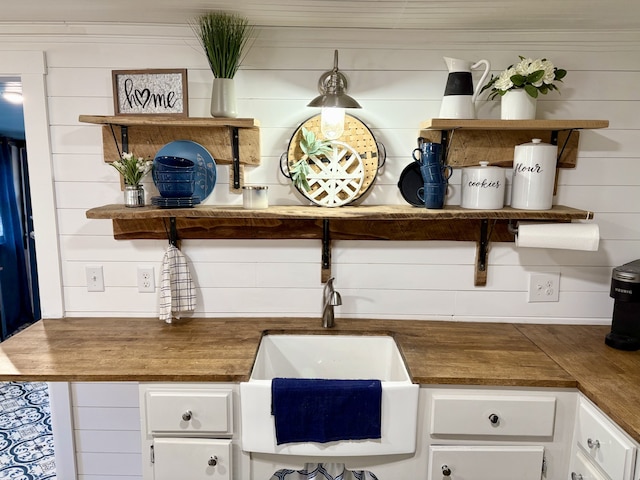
(146, 280)
(544, 287)
(95, 279)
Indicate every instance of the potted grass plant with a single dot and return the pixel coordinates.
(225, 40)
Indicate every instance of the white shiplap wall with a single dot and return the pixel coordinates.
(106, 431)
(398, 77)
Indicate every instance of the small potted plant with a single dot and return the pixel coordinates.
(519, 86)
(225, 40)
(133, 169)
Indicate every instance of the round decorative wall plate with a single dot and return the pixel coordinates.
(347, 172)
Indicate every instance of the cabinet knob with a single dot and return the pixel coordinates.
(186, 416)
(213, 461)
(494, 419)
(446, 471)
(593, 443)
(576, 476)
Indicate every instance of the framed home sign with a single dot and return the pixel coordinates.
(150, 92)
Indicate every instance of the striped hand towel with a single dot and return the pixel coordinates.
(177, 290)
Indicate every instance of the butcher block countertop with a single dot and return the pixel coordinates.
(436, 353)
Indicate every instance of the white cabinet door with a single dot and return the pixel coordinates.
(191, 459)
(604, 443)
(583, 469)
(457, 462)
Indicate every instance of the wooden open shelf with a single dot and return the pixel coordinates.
(475, 140)
(381, 222)
(470, 141)
(363, 212)
(233, 141)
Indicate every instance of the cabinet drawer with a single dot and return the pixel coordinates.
(493, 415)
(601, 441)
(485, 463)
(191, 458)
(189, 411)
(583, 469)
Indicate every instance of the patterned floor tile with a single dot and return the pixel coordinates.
(26, 441)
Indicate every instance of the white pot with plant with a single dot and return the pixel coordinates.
(519, 86)
(224, 38)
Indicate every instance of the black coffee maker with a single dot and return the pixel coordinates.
(625, 290)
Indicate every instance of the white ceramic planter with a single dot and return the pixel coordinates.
(518, 105)
(223, 98)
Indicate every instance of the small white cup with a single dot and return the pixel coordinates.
(255, 196)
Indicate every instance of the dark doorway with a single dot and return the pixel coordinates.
(19, 299)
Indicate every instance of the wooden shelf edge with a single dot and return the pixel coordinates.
(135, 120)
(496, 124)
(381, 222)
(373, 212)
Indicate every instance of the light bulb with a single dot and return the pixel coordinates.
(12, 97)
(332, 122)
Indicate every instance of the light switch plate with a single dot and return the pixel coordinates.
(95, 278)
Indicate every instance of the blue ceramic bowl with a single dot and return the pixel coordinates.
(174, 189)
(174, 176)
(167, 163)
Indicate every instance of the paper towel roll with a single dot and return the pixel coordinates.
(570, 236)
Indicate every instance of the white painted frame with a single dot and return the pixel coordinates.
(62, 428)
(30, 66)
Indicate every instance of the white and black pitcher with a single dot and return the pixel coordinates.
(459, 95)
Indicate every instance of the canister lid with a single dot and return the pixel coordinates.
(484, 165)
(537, 142)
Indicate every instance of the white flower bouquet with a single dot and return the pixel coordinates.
(534, 76)
(132, 168)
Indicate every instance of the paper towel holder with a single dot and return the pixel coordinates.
(512, 228)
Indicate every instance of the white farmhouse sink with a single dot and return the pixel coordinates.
(349, 357)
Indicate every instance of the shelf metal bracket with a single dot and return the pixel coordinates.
(444, 141)
(482, 251)
(554, 141)
(326, 252)
(124, 133)
(124, 139)
(235, 151)
(172, 232)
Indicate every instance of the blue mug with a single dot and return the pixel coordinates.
(435, 173)
(428, 152)
(433, 194)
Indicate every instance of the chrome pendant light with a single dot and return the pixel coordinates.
(333, 100)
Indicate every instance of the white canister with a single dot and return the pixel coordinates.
(483, 187)
(534, 173)
(255, 196)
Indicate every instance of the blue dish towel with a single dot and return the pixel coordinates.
(319, 410)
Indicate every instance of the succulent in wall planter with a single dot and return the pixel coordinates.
(311, 148)
(225, 40)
